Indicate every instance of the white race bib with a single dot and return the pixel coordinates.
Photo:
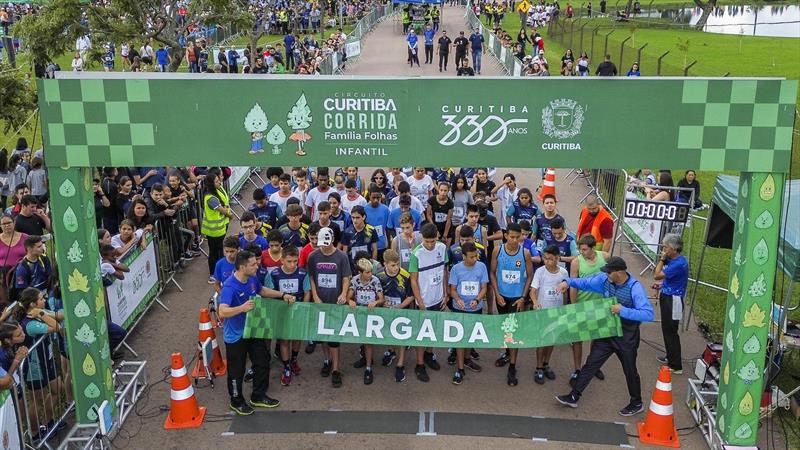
(393, 301)
(437, 278)
(288, 286)
(440, 217)
(510, 276)
(405, 255)
(458, 211)
(327, 280)
(470, 288)
(365, 297)
(379, 230)
(356, 249)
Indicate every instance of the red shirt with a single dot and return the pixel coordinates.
(304, 254)
(268, 263)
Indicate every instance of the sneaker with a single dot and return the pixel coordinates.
(600, 375)
(662, 359)
(243, 410)
(632, 409)
(472, 365)
(368, 376)
(458, 377)
(211, 280)
(336, 379)
(310, 347)
(422, 374)
(538, 376)
(676, 371)
(195, 247)
(286, 378)
(295, 367)
(388, 357)
(430, 361)
(574, 378)
(277, 353)
(186, 256)
(548, 372)
(360, 363)
(567, 400)
(326, 369)
(264, 402)
(474, 354)
(399, 374)
(451, 357)
(511, 377)
(502, 360)
(248, 376)
(194, 253)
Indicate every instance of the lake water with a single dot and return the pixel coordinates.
(771, 20)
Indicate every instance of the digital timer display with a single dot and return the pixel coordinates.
(650, 210)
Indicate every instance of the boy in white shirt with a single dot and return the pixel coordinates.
(544, 294)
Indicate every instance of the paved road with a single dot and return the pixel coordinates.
(164, 332)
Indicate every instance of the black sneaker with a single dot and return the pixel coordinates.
(600, 375)
(186, 256)
(662, 359)
(388, 357)
(277, 353)
(196, 248)
(336, 379)
(574, 378)
(472, 365)
(422, 374)
(451, 357)
(368, 376)
(548, 372)
(474, 354)
(511, 377)
(360, 363)
(248, 376)
(632, 409)
(243, 410)
(430, 361)
(264, 402)
(502, 360)
(399, 374)
(326, 369)
(538, 376)
(458, 377)
(567, 400)
(310, 347)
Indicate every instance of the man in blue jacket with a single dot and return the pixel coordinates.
(429, 33)
(633, 308)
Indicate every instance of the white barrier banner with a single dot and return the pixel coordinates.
(645, 233)
(517, 68)
(239, 175)
(503, 54)
(9, 427)
(353, 49)
(129, 297)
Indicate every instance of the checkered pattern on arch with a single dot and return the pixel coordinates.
(98, 121)
(744, 124)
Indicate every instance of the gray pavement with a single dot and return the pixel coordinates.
(162, 332)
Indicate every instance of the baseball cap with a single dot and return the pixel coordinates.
(325, 237)
(614, 264)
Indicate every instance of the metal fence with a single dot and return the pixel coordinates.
(335, 62)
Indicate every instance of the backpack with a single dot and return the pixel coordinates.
(10, 280)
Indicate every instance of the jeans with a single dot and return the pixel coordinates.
(428, 53)
(625, 347)
(194, 67)
(237, 353)
(289, 59)
(669, 329)
(443, 60)
(476, 60)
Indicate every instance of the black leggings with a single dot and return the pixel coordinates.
(214, 253)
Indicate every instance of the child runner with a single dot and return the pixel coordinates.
(338, 215)
(378, 217)
(541, 225)
(522, 208)
(225, 266)
(479, 231)
(461, 198)
(360, 236)
(266, 212)
(313, 232)
(406, 241)
(295, 232)
(366, 290)
(397, 293)
(248, 235)
(440, 212)
(544, 294)
(565, 243)
(324, 209)
(468, 286)
(271, 259)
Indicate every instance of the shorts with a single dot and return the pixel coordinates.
(451, 304)
(332, 344)
(509, 308)
(436, 307)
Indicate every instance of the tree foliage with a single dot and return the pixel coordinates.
(17, 98)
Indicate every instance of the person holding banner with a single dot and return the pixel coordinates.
(545, 295)
(235, 300)
(468, 282)
(329, 271)
(397, 293)
(366, 290)
(633, 308)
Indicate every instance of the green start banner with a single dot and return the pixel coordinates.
(94, 119)
(387, 326)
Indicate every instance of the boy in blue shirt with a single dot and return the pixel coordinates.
(225, 266)
(162, 58)
(248, 235)
(360, 236)
(468, 282)
(378, 217)
(429, 33)
(235, 300)
(266, 212)
(397, 293)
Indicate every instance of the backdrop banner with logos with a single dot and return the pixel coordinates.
(128, 298)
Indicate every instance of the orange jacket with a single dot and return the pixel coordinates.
(602, 216)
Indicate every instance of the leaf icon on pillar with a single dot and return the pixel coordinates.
(761, 252)
(764, 220)
(89, 367)
(91, 391)
(77, 281)
(752, 345)
(758, 287)
(67, 189)
(767, 190)
(74, 254)
(735, 285)
(746, 405)
(744, 431)
(723, 400)
(754, 317)
(82, 309)
(70, 220)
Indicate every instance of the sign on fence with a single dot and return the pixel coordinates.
(128, 298)
(9, 427)
(353, 49)
(239, 175)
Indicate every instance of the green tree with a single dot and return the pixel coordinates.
(17, 98)
(708, 8)
(298, 119)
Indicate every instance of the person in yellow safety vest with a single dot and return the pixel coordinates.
(436, 13)
(406, 20)
(428, 15)
(489, 13)
(216, 216)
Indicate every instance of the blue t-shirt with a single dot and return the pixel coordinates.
(412, 40)
(378, 217)
(259, 241)
(235, 293)
(429, 33)
(269, 213)
(676, 272)
(358, 241)
(269, 189)
(159, 177)
(33, 274)
(296, 283)
(567, 247)
(394, 219)
(288, 42)
(468, 282)
(541, 227)
(476, 40)
(223, 269)
(233, 57)
(162, 57)
(518, 211)
(343, 220)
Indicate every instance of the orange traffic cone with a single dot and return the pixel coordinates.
(218, 364)
(658, 427)
(549, 184)
(183, 409)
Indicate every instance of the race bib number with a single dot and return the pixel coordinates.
(437, 278)
(458, 211)
(327, 280)
(470, 288)
(356, 249)
(422, 197)
(288, 286)
(393, 301)
(510, 276)
(405, 255)
(365, 297)
(379, 230)
(440, 217)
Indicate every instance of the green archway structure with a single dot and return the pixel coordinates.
(741, 125)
